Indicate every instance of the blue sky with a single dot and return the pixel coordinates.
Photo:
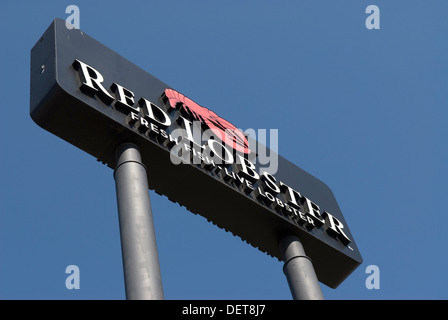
(369, 118)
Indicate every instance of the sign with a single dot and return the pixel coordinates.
(88, 95)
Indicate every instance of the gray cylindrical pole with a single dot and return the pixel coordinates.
(138, 241)
(299, 271)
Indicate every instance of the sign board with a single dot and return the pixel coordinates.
(93, 98)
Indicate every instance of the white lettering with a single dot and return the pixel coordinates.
(125, 98)
(91, 82)
(210, 311)
(270, 182)
(313, 211)
(155, 113)
(220, 151)
(247, 169)
(335, 228)
(291, 195)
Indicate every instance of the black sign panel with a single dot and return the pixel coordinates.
(93, 98)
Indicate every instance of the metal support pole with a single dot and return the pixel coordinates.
(299, 271)
(138, 242)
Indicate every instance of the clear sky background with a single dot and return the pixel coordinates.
(368, 117)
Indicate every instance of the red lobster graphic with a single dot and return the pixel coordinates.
(220, 127)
